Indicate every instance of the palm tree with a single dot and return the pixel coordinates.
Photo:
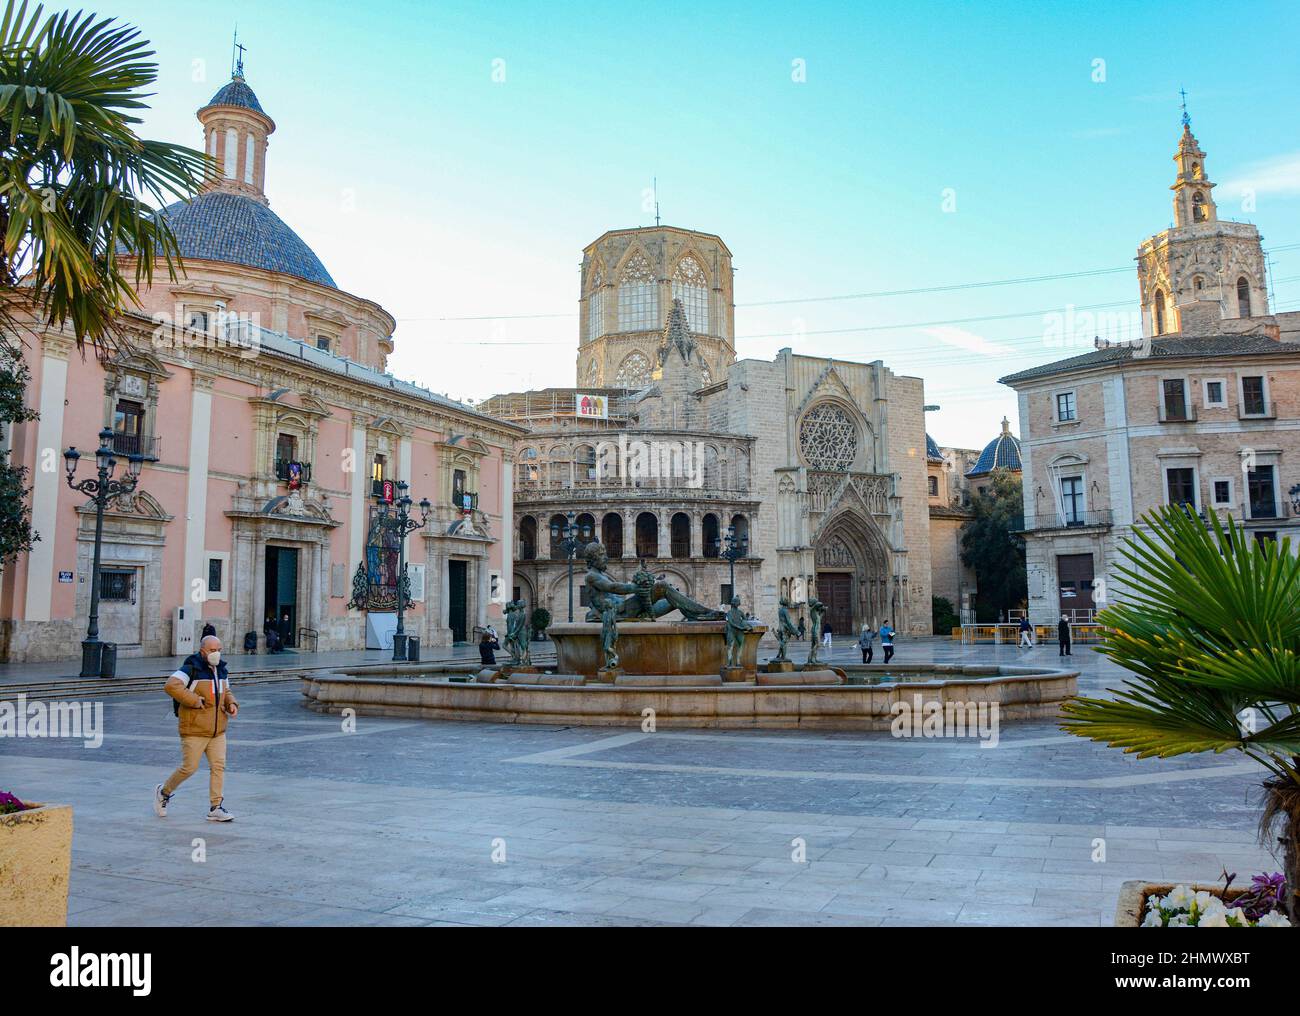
(78, 187)
(1210, 625)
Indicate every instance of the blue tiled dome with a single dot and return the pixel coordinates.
(237, 93)
(1003, 452)
(219, 226)
(932, 449)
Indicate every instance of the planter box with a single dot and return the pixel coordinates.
(35, 858)
(1133, 897)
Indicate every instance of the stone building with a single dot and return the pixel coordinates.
(255, 390)
(819, 465)
(1202, 411)
(949, 506)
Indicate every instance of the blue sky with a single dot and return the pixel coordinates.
(930, 144)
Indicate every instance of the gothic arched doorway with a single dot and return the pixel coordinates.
(853, 574)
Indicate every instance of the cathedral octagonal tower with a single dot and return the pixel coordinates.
(1201, 275)
(630, 278)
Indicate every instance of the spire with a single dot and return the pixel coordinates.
(1193, 197)
(677, 334)
(1187, 120)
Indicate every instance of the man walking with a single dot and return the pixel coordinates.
(865, 643)
(887, 641)
(204, 706)
(828, 636)
(1026, 634)
(1063, 635)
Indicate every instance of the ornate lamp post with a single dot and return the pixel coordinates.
(398, 521)
(101, 489)
(736, 547)
(569, 538)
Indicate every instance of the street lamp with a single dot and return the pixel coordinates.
(736, 547)
(101, 489)
(569, 538)
(401, 525)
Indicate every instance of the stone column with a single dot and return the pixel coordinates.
(45, 485)
(196, 491)
(357, 509)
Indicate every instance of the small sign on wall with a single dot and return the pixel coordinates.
(65, 576)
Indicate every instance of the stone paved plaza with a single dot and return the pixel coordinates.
(399, 822)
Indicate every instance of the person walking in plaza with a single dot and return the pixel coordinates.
(865, 642)
(1063, 635)
(803, 630)
(204, 707)
(1026, 634)
(828, 639)
(887, 641)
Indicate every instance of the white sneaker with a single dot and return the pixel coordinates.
(218, 813)
(160, 801)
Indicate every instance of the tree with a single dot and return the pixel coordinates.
(991, 545)
(75, 177)
(1209, 622)
(944, 618)
(540, 620)
(16, 534)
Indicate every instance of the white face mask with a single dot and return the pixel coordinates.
(214, 657)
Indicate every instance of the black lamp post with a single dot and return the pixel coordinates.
(400, 524)
(736, 547)
(569, 538)
(101, 489)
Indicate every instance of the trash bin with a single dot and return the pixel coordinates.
(413, 649)
(108, 661)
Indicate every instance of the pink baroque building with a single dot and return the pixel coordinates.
(256, 390)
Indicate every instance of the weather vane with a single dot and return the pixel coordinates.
(237, 57)
(1187, 120)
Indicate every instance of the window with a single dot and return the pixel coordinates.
(934, 486)
(1215, 394)
(1259, 488)
(1266, 539)
(1222, 493)
(1243, 297)
(1175, 399)
(117, 585)
(379, 467)
(1072, 500)
(198, 320)
(128, 428)
(691, 286)
(286, 449)
(1198, 207)
(215, 565)
(1160, 312)
(596, 311)
(1065, 409)
(1181, 485)
(1253, 401)
(218, 566)
(323, 343)
(633, 372)
(638, 297)
(458, 488)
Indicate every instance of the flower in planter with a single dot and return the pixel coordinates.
(10, 804)
(1185, 908)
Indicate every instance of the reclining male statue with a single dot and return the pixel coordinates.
(645, 598)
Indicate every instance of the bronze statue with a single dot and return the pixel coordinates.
(645, 598)
(785, 629)
(815, 610)
(737, 626)
(518, 633)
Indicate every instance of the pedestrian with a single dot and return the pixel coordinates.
(865, 643)
(273, 644)
(827, 635)
(802, 630)
(1063, 635)
(286, 631)
(486, 645)
(1026, 634)
(887, 641)
(204, 707)
(208, 629)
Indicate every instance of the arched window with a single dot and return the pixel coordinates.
(559, 470)
(1198, 283)
(528, 538)
(634, 371)
(709, 535)
(1198, 207)
(741, 525)
(1243, 297)
(1160, 312)
(528, 471)
(596, 308)
(638, 297)
(593, 374)
(611, 534)
(691, 286)
(584, 463)
(934, 486)
(647, 535)
(557, 526)
(586, 523)
(681, 535)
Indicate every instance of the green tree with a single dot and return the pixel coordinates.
(541, 620)
(993, 547)
(16, 534)
(76, 181)
(1209, 624)
(942, 615)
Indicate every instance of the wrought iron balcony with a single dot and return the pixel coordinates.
(149, 448)
(282, 469)
(1178, 414)
(1063, 520)
(458, 500)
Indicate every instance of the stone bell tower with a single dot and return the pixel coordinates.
(1202, 275)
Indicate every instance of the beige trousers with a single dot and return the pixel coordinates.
(193, 749)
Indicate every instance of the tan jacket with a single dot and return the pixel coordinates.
(204, 710)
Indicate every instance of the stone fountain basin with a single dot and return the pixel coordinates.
(652, 647)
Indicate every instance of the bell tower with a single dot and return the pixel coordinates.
(235, 133)
(1202, 275)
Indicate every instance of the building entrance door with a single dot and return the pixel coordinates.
(835, 589)
(282, 591)
(119, 605)
(456, 592)
(1074, 577)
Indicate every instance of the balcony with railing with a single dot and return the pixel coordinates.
(1178, 412)
(282, 470)
(1051, 521)
(148, 448)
